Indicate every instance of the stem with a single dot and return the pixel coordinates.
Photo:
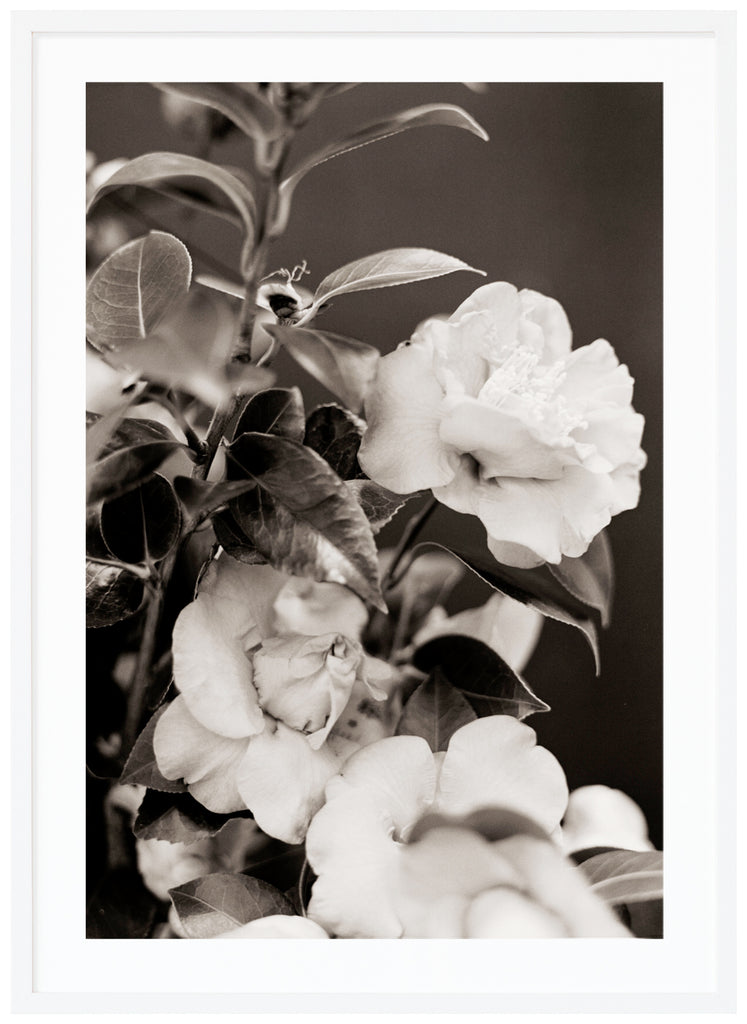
(411, 531)
(142, 673)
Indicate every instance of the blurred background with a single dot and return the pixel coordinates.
(565, 198)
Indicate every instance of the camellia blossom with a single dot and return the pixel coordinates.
(265, 715)
(357, 843)
(504, 421)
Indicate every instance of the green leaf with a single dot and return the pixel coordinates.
(302, 517)
(432, 114)
(489, 684)
(335, 434)
(134, 289)
(178, 818)
(244, 107)
(626, 876)
(379, 505)
(217, 903)
(435, 711)
(155, 169)
(141, 767)
(535, 587)
(200, 497)
(277, 411)
(591, 577)
(383, 270)
(143, 524)
(112, 594)
(345, 366)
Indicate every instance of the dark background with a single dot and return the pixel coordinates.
(565, 198)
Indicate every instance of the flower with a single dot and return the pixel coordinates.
(599, 816)
(356, 843)
(255, 724)
(276, 926)
(505, 422)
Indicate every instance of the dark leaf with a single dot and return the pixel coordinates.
(430, 114)
(535, 587)
(125, 469)
(279, 864)
(591, 577)
(234, 541)
(344, 365)
(112, 594)
(335, 434)
(143, 524)
(200, 497)
(134, 288)
(379, 505)
(121, 907)
(245, 107)
(141, 768)
(384, 270)
(95, 546)
(626, 876)
(218, 903)
(178, 818)
(435, 711)
(274, 411)
(302, 517)
(488, 683)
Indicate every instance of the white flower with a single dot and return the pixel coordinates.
(254, 723)
(505, 422)
(277, 926)
(601, 816)
(356, 843)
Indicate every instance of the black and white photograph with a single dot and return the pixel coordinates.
(374, 510)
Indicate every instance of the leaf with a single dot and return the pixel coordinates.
(154, 169)
(345, 366)
(435, 711)
(141, 767)
(191, 348)
(134, 289)
(335, 434)
(121, 907)
(178, 818)
(384, 270)
(122, 470)
(217, 903)
(591, 577)
(626, 876)
(234, 541)
(302, 517)
(488, 683)
(379, 505)
(143, 524)
(200, 497)
(432, 114)
(535, 587)
(246, 109)
(277, 411)
(112, 594)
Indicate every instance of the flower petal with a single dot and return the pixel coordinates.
(401, 449)
(550, 316)
(496, 761)
(506, 913)
(282, 779)
(276, 926)
(208, 763)
(310, 608)
(601, 816)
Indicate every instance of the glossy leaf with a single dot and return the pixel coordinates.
(143, 524)
(217, 903)
(345, 366)
(245, 108)
(626, 876)
(535, 587)
(301, 517)
(112, 594)
(155, 169)
(379, 505)
(134, 289)
(591, 577)
(335, 434)
(277, 411)
(431, 114)
(141, 767)
(488, 683)
(435, 711)
(177, 818)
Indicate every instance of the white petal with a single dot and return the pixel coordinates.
(550, 316)
(310, 608)
(600, 816)
(401, 449)
(276, 926)
(501, 302)
(505, 913)
(282, 780)
(208, 763)
(495, 762)
(251, 590)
